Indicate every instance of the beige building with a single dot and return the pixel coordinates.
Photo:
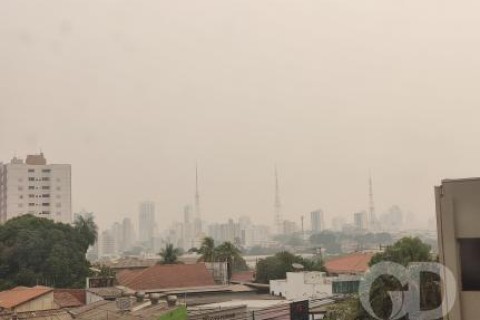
(35, 187)
(458, 222)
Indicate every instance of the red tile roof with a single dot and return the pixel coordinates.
(353, 263)
(19, 295)
(126, 275)
(244, 276)
(166, 276)
(68, 298)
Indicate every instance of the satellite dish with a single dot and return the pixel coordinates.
(297, 266)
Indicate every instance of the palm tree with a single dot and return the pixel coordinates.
(169, 254)
(207, 250)
(229, 253)
(87, 228)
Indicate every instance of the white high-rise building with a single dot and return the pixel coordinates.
(146, 223)
(317, 221)
(35, 187)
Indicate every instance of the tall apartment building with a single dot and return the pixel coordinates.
(146, 223)
(317, 221)
(360, 221)
(35, 187)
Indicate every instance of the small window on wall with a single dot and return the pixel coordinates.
(470, 263)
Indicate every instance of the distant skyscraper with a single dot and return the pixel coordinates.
(146, 223)
(107, 243)
(35, 187)
(277, 207)
(372, 218)
(128, 234)
(360, 220)
(198, 216)
(317, 221)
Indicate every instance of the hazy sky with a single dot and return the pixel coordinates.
(133, 93)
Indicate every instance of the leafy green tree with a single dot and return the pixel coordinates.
(404, 252)
(87, 228)
(277, 266)
(207, 250)
(39, 251)
(169, 254)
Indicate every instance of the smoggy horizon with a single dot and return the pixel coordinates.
(133, 94)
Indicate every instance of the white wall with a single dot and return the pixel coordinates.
(302, 285)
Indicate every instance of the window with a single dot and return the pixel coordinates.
(31, 179)
(20, 188)
(31, 188)
(31, 204)
(45, 196)
(470, 264)
(45, 212)
(31, 170)
(46, 170)
(31, 196)
(21, 196)
(45, 179)
(45, 187)
(46, 204)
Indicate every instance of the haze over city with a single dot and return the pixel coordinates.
(133, 95)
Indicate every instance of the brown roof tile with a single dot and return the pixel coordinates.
(170, 276)
(16, 296)
(69, 298)
(352, 263)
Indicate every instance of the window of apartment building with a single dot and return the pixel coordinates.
(31, 204)
(470, 263)
(31, 170)
(46, 204)
(45, 212)
(46, 170)
(45, 187)
(21, 196)
(31, 179)
(31, 196)
(45, 179)
(31, 188)
(45, 195)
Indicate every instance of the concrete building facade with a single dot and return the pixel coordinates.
(35, 187)
(458, 223)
